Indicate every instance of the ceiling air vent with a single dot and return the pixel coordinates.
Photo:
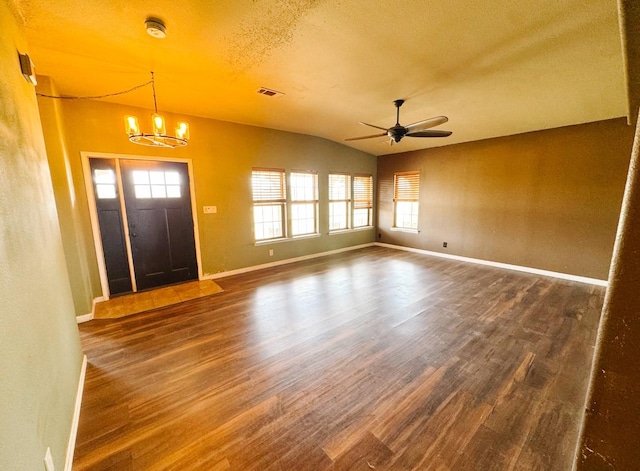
(269, 92)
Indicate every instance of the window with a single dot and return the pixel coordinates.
(156, 184)
(405, 200)
(362, 200)
(269, 199)
(304, 203)
(339, 201)
(105, 181)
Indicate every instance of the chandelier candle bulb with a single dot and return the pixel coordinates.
(182, 130)
(131, 125)
(159, 128)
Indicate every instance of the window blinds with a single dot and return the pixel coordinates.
(269, 185)
(339, 187)
(362, 191)
(406, 186)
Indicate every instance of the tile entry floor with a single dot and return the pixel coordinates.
(135, 303)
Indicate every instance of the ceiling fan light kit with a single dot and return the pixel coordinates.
(417, 129)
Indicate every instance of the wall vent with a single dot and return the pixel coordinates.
(269, 92)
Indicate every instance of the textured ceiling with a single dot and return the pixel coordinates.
(495, 68)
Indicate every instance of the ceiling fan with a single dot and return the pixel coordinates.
(418, 129)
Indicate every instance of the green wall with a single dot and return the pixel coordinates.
(547, 199)
(223, 155)
(40, 355)
(76, 240)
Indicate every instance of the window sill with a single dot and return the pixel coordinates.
(348, 231)
(404, 229)
(305, 236)
(284, 239)
(270, 241)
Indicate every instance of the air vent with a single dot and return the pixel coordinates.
(269, 92)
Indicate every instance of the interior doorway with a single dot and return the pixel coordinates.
(144, 216)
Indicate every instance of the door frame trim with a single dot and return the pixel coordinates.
(93, 213)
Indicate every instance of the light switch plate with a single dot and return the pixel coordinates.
(210, 209)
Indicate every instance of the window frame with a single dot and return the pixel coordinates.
(362, 203)
(295, 202)
(406, 194)
(270, 195)
(347, 201)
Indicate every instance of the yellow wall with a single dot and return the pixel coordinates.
(223, 155)
(548, 199)
(40, 356)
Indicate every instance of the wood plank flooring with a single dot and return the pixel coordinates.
(374, 359)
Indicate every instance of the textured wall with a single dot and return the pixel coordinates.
(40, 356)
(75, 240)
(223, 155)
(548, 199)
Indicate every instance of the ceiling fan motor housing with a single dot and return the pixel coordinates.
(417, 129)
(397, 132)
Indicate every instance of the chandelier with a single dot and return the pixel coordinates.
(159, 137)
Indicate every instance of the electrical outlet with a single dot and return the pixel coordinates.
(270, 252)
(48, 461)
(444, 244)
(210, 209)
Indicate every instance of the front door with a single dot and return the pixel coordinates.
(158, 206)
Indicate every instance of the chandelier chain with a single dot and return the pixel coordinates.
(153, 88)
(96, 97)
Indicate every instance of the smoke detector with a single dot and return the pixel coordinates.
(155, 28)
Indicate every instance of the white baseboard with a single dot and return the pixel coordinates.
(283, 262)
(90, 316)
(507, 266)
(76, 416)
(84, 318)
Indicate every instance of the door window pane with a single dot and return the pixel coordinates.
(105, 180)
(104, 191)
(104, 176)
(156, 184)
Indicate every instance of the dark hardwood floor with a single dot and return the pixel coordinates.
(372, 359)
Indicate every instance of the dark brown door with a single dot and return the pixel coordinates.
(160, 222)
(105, 187)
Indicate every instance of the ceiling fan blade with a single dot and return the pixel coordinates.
(366, 137)
(432, 133)
(427, 123)
(373, 126)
